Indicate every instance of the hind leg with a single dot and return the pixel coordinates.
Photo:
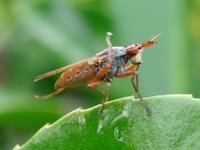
(50, 95)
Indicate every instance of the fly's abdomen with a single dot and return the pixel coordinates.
(77, 74)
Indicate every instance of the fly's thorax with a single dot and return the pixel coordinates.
(118, 65)
(137, 59)
(117, 51)
(119, 60)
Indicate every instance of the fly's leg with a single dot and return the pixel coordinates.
(50, 95)
(104, 70)
(104, 95)
(108, 86)
(129, 71)
(97, 83)
(107, 65)
(135, 80)
(105, 99)
(109, 44)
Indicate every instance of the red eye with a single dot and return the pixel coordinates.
(132, 49)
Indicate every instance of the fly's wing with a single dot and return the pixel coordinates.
(51, 73)
(103, 52)
(60, 70)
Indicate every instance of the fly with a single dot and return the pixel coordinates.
(102, 69)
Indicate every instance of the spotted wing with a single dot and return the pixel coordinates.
(51, 73)
(63, 69)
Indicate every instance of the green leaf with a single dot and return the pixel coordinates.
(174, 124)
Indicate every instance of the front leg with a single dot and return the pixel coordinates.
(135, 83)
(127, 72)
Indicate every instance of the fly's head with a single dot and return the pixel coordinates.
(137, 59)
(134, 51)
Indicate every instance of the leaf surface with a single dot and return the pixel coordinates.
(174, 124)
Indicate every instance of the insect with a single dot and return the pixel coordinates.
(102, 69)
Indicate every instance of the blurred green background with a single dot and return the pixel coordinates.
(40, 36)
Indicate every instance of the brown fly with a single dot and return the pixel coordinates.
(102, 68)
